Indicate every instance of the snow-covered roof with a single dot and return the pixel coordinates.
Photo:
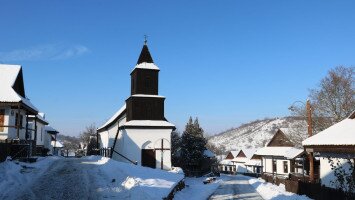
(50, 129)
(287, 152)
(114, 117)
(208, 153)
(148, 123)
(234, 153)
(253, 162)
(57, 144)
(226, 162)
(249, 152)
(8, 76)
(146, 65)
(147, 95)
(342, 133)
(40, 116)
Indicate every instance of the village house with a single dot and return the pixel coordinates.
(51, 142)
(338, 143)
(278, 157)
(38, 122)
(235, 161)
(139, 132)
(226, 165)
(15, 135)
(253, 165)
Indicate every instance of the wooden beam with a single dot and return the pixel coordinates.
(18, 122)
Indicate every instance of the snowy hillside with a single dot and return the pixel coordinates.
(258, 133)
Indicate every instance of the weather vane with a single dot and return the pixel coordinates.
(145, 39)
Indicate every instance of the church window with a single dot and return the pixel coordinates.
(2, 119)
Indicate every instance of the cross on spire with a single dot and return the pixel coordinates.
(145, 39)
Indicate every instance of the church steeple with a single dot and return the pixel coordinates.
(144, 102)
(145, 55)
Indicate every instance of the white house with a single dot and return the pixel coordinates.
(14, 108)
(51, 142)
(235, 161)
(138, 132)
(253, 165)
(37, 124)
(278, 157)
(336, 142)
(226, 165)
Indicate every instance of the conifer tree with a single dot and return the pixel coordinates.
(192, 146)
(175, 148)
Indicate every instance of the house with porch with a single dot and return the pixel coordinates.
(337, 144)
(253, 165)
(138, 132)
(235, 161)
(226, 165)
(38, 123)
(16, 137)
(278, 157)
(51, 142)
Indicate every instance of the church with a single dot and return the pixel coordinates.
(138, 132)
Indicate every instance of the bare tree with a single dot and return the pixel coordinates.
(333, 100)
(87, 135)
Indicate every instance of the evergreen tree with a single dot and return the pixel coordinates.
(175, 148)
(192, 146)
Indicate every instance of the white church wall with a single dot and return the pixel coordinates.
(326, 172)
(132, 141)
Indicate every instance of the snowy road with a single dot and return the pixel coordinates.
(236, 187)
(64, 179)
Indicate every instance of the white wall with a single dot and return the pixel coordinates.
(267, 163)
(326, 173)
(107, 137)
(4, 134)
(131, 142)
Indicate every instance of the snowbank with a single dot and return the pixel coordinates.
(14, 175)
(274, 192)
(127, 181)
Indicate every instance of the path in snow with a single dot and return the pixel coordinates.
(70, 178)
(236, 188)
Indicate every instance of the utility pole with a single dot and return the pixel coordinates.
(310, 155)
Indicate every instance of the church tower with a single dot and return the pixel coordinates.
(144, 102)
(139, 132)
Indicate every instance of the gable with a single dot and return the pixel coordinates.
(241, 154)
(19, 85)
(280, 140)
(229, 156)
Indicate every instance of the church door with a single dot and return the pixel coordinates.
(148, 158)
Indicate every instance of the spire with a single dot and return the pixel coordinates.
(145, 54)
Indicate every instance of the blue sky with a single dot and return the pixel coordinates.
(225, 62)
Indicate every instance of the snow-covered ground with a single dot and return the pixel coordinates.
(244, 189)
(196, 190)
(83, 178)
(127, 181)
(15, 175)
(271, 191)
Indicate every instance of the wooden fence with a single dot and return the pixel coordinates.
(316, 191)
(106, 152)
(16, 149)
